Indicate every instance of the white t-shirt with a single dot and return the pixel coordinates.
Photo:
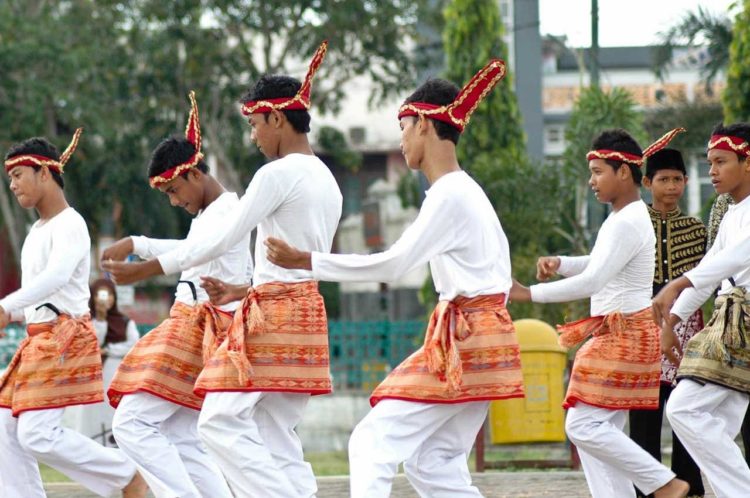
(55, 266)
(618, 274)
(234, 266)
(728, 257)
(456, 230)
(295, 199)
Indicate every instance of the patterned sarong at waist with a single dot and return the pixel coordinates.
(57, 365)
(470, 353)
(167, 361)
(278, 341)
(685, 331)
(619, 367)
(720, 353)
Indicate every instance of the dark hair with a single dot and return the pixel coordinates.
(621, 141)
(741, 130)
(38, 146)
(439, 92)
(117, 322)
(665, 159)
(278, 86)
(170, 153)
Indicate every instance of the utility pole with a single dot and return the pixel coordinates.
(594, 52)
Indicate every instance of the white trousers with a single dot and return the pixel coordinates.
(432, 440)
(161, 437)
(707, 418)
(612, 462)
(37, 436)
(251, 436)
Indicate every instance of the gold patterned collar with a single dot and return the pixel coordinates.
(670, 214)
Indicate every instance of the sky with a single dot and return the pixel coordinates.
(621, 22)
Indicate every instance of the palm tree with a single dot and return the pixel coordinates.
(701, 28)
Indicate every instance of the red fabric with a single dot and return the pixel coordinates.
(727, 142)
(300, 101)
(626, 157)
(192, 135)
(35, 161)
(458, 112)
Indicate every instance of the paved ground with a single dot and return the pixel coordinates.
(560, 484)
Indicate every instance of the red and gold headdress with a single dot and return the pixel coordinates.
(458, 112)
(301, 101)
(626, 157)
(192, 135)
(731, 143)
(36, 161)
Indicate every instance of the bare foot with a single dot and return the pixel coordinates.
(137, 487)
(676, 488)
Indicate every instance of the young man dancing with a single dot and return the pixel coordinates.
(708, 405)
(618, 368)
(427, 412)
(59, 363)
(260, 378)
(156, 421)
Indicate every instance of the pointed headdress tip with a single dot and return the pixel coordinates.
(315, 62)
(192, 135)
(300, 101)
(662, 142)
(458, 112)
(70, 149)
(193, 127)
(475, 91)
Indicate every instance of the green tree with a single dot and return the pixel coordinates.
(492, 148)
(594, 111)
(736, 97)
(696, 29)
(123, 69)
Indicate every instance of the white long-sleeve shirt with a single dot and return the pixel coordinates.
(456, 230)
(619, 272)
(234, 265)
(295, 199)
(729, 256)
(55, 267)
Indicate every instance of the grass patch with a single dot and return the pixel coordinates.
(51, 475)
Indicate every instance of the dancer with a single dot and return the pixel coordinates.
(427, 412)
(59, 363)
(618, 368)
(260, 379)
(708, 405)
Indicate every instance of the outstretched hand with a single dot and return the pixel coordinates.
(127, 273)
(546, 267)
(119, 250)
(282, 254)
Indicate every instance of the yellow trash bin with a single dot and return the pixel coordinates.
(539, 416)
